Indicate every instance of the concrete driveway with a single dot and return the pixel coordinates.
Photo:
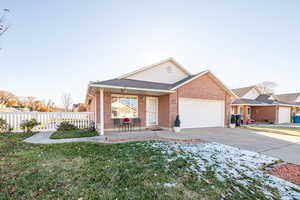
(284, 147)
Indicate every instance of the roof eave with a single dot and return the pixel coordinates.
(248, 104)
(130, 88)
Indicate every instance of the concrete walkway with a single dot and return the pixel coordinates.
(284, 147)
(113, 137)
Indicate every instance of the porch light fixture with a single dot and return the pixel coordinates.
(124, 90)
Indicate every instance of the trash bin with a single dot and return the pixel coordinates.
(238, 120)
(297, 119)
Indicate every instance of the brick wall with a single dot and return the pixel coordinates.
(262, 113)
(163, 111)
(173, 108)
(92, 107)
(205, 87)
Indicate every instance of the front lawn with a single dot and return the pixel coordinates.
(293, 131)
(73, 134)
(136, 170)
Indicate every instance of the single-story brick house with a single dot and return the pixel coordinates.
(262, 108)
(157, 93)
(292, 98)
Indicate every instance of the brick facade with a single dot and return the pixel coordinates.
(206, 88)
(203, 87)
(163, 111)
(264, 113)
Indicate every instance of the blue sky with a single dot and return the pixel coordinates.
(59, 46)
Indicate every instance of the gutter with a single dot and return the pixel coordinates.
(130, 88)
(261, 105)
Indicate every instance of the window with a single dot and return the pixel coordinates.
(123, 106)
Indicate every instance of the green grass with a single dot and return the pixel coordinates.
(293, 131)
(90, 170)
(73, 134)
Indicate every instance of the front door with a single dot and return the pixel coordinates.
(152, 111)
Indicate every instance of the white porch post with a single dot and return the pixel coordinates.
(101, 112)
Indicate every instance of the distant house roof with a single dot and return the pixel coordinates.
(291, 97)
(263, 99)
(248, 101)
(242, 91)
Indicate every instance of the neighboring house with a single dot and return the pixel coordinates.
(4, 108)
(293, 98)
(79, 107)
(157, 93)
(265, 108)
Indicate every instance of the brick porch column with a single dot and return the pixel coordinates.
(246, 114)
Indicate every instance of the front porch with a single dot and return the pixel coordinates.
(144, 109)
(256, 114)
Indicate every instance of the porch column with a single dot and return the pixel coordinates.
(101, 112)
(238, 110)
(246, 114)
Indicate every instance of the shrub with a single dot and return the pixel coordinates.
(92, 126)
(28, 125)
(66, 126)
(4, 127)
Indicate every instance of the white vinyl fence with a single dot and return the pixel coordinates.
(49, 120)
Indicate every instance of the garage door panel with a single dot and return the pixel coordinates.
(284, 115)
(195, 113)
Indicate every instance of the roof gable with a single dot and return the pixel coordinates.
(213, 77)
(241, 92)
(291, 97)
(251, 94)
(167, 71)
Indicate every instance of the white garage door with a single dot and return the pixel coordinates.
(195, 113)
(284, 115)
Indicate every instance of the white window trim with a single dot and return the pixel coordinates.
(124, 95)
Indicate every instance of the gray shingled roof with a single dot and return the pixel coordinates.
(134, 83)
(142, 84)
(262, 99)
(248, 101)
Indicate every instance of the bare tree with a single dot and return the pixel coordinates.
(67, 101)
(267, 87)
(30, 103)
(3, 22)
(50, 105)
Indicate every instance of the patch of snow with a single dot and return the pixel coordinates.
(169, 185)
(230, 163)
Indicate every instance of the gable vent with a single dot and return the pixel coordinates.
(169, 69)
